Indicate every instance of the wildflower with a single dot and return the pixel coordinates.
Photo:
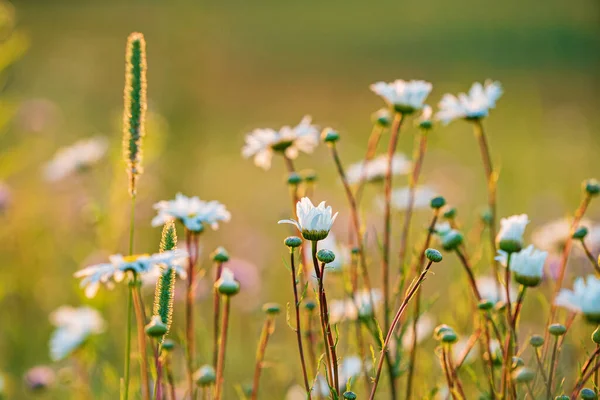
(449, 238)
(527, 265)
(39, 378)
(314, 222)
(490, 290)
(474, 105)
(77, 157)
(510, 236)
(425, 121)
(424, 329)
(375, 170)
(262, 143)
(382, 117)
(584, 298)
(399, 201)
(227, 284)
(205, 375)
(118, 265)
(403, 96)
(73, 327)
(192, 212)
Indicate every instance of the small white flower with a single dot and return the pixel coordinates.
(510, 236)
(376, 169)
(474, 105)
(425, 326)
(403, 96)
(114, 271)
(342, 253)
(73, 327)
(425, 120)
(490, 290)
(192, 212)
(584, 298)
(79, 156)
(314, 222)
(527, 265)
(399, 201)
(262, 143)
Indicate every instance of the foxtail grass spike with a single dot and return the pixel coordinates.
(165, 286)
(135, 107)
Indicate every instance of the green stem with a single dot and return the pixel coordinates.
(551, 373)
(125, 388)
(222, 347)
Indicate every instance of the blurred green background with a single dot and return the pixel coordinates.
(217, 70)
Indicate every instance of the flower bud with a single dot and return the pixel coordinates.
(452, 240)
(382, 117)
(536, 341)
(226, 284)
(523, 375)
(438, 202)
(293, 241)
(596, 336)
(355, 250)
(156, 328)
(349, 396)
(580, 233)
(330, 136)
(294, 179)
(450, 213)
(449, 337)
(557, 329)
(591, 187)
(325, 256)
(588, 394)
(485, 305)
(517, 362)
(167, 345)
(310, 305)
(220, 255)
(271, 308)
(562, 397)
(433, 255)
(205, 376)
(440, 330)
(486, 217)
(309, 175)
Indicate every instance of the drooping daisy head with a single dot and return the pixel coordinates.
(375, 170)
(584, 298)
(404, 97)
(114, 271)
(192, 212)
(73, 327)
(527, 265)
(314, 222)
(474, 105)
(77, 157)
(262, 143)
(510, 236)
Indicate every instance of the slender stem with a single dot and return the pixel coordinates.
(590, 256)
(454, 373)
(371, 150)
(390, 333)
(267, 330)
(596, 375)
(125, 389)
(551, 373)
(330, 340)
(590, 361)
(418, 266)
(465, 353)
(158, 393)
(216, 314)
(139, 316)
(530, 390)
(467, 267)
(170, 377)
(311, 340)
(191, 239)
(515, 319)
(447, 373)
(506, 381)
(579, 385)
(298, 327)
(541, 367)
(222, 347)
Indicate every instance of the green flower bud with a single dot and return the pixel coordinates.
(450, 213)
(440, 330)
(220, 255)
(588, 394)
(438, 202)
(510, 246)
(557, 329)
(293, 241)
(325, 256)
(449, 337)
(485, 305)
(562, 397)
(517, 362)
(349, 396)
(452, 240)
(355, 250)
(156, 328)
(271, 308)
(486, 217)
(309, 175)
(591, 187)
(523, 375)
(330, 136)
(433, 255)
(536, 341)
(205, 376)
(167, 345)
(310, 305)
(580, 233)
(596, 336)
(294, 179)
(382, 117)
(226, 284)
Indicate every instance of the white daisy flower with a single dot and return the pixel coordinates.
(474, 105)
(375, 170)
(342, 253)
(192, 212)
(314, 222)
(527, 265)
(584, 298)
(114, 271)
(262, 143)
(77, 157)
(73, 327)
(510, 236)
(425, 326)
(399, 201)
(404, 96)
(490, 290)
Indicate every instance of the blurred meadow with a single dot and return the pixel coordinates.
(217, 70)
